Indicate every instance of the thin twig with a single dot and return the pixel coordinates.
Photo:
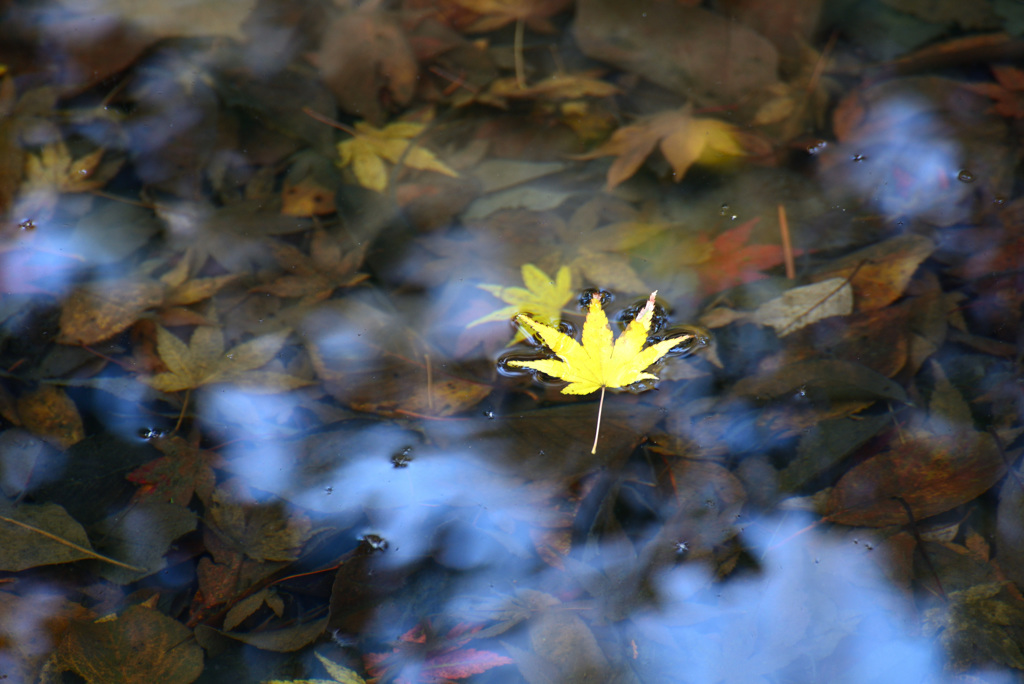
(787, 246)
(329, 121)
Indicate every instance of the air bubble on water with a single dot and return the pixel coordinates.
(681, 547)
(965, 176)
(724, 210)
(403, 458)
(489, 415)
(328, 490)
(375, 542)
(858, 158)
(150, 433)
(817, 147)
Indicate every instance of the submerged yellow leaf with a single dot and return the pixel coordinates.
(542, 297)
(598, 363)
(203, 361)
(370, 147)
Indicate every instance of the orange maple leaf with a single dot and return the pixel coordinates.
(684, 140)
(1008, 91)
(734, 262)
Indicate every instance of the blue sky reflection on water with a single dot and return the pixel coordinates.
(815, 596)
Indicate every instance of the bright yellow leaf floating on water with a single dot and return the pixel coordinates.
(370, 147)
(597, 363)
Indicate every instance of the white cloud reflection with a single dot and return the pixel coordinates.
(819, 610)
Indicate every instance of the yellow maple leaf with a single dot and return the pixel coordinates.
(53, 171)
(542, 297)
(683, 139)
(54, 168)
(203, 361)
(339, 673)
(597, 363)
(368, 149)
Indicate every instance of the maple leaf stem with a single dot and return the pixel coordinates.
(184, 406)
(597, 432)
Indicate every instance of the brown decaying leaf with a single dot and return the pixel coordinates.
(97, 311)
(882, 271)
(366, 53)
(50, 413)
(941, 464)
(205, 362)
(41, 534)
(692, 51)
(262, 532)
(118, 535)
(316, 276)
(27, 623)
(139, 646)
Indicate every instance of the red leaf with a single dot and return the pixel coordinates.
(731, 263)
(460, 664)
(173, 478)
(439, 665)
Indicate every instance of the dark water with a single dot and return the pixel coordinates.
(261, 413)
